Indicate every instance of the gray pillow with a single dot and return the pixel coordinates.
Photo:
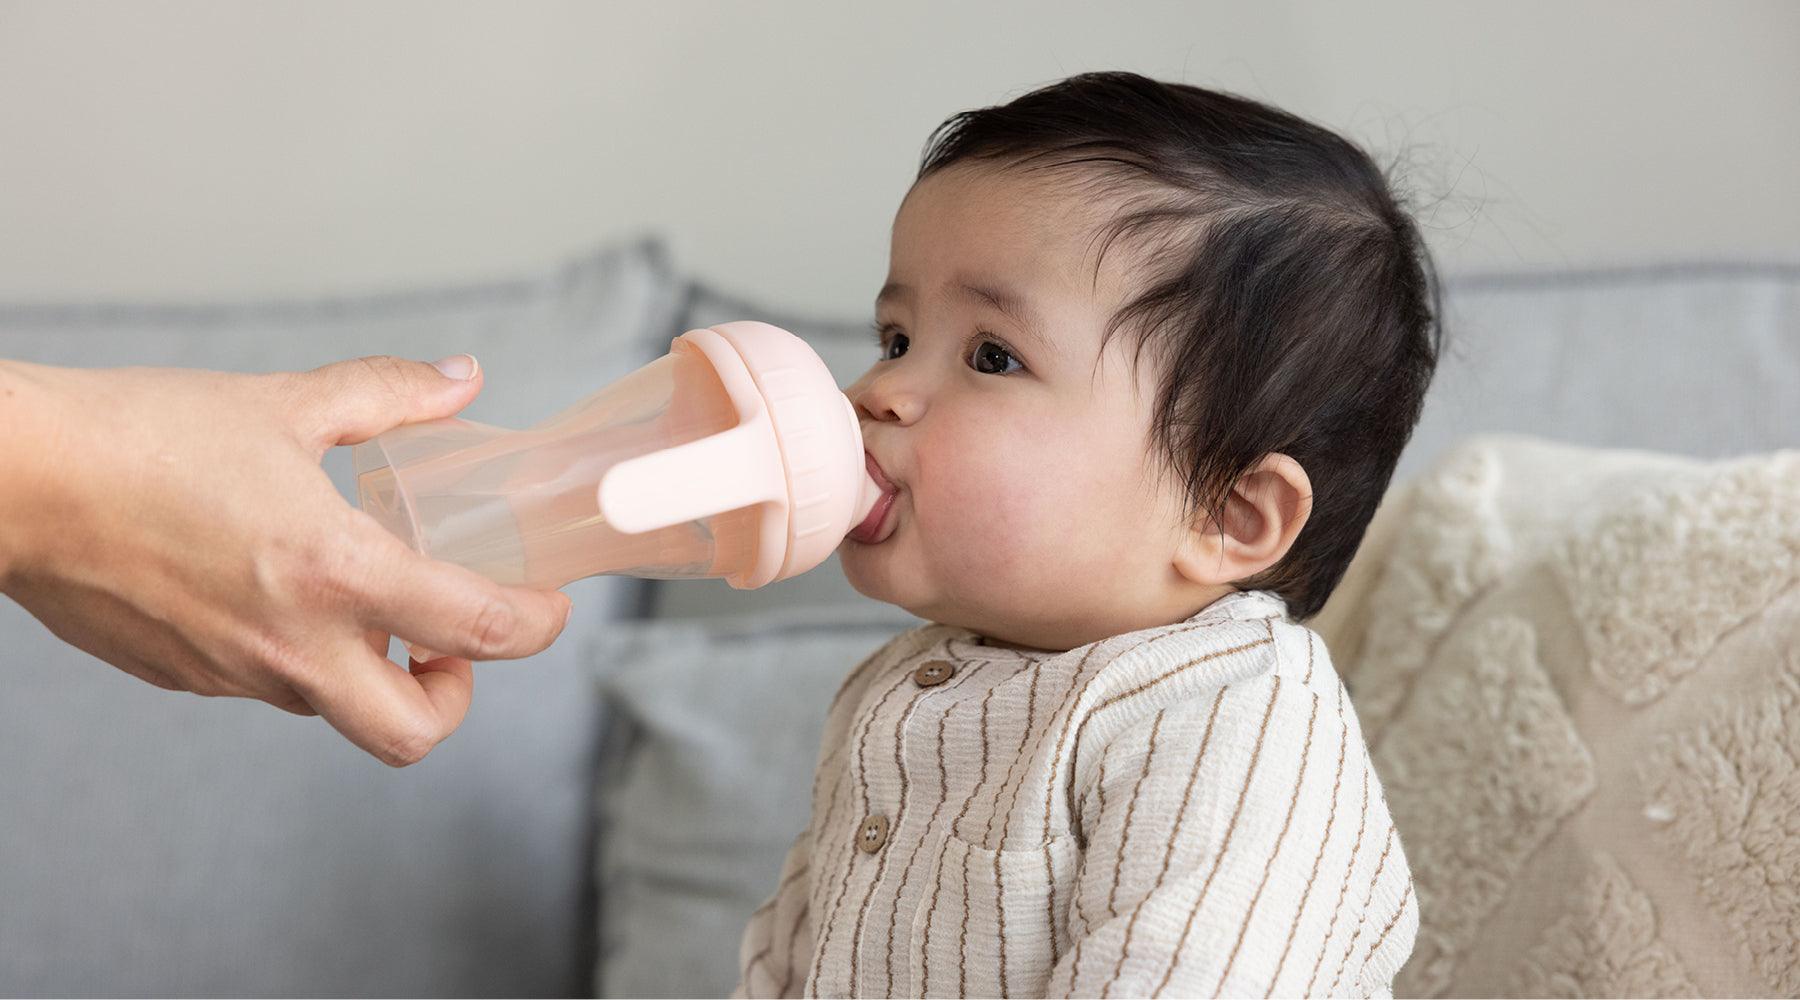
(159, 844)
(715, 730)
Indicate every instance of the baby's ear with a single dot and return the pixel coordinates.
(1263, 515)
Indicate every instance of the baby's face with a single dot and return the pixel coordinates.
(1029, 507)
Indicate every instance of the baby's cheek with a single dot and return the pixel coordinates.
(1078, 511)
(1018, 508)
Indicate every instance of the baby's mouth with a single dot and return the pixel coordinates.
(877, 525)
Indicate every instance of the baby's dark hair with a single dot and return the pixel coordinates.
(1289, 296)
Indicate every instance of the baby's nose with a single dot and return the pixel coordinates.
(884, 398)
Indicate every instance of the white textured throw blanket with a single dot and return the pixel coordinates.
(1579, 673)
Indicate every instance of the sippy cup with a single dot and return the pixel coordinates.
(735, 455)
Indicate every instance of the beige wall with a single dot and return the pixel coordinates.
(235, 149)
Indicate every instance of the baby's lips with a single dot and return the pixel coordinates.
(876, 499)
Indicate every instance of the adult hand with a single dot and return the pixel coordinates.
(176, 524)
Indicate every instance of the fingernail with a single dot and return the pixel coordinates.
(460, 367)
(568, 614)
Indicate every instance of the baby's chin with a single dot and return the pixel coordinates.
(870, 570)
(878, 572)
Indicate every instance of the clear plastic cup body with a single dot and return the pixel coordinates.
(521, 506)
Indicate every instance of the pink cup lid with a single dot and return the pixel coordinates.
(797, 450)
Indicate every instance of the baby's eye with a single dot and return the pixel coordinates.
(992, 358)
(891, 342)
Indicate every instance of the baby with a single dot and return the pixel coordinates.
(1148, 356)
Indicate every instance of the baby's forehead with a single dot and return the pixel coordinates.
(1005, 208)
(1030, 234)
(1042, 235)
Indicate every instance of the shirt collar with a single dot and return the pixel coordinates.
(1244, 605)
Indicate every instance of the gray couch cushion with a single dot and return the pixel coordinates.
(155, 843)
(158, 844)
(715, 728)
(1698, 360)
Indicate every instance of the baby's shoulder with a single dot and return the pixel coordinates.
(1246, 659)
(1239, 638)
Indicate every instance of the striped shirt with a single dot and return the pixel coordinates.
(1186, 810)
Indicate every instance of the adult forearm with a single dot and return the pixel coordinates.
(25, 439)
(18, 459)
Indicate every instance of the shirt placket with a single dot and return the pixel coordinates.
(894, 795)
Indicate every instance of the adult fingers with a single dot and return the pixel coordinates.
(456, 611)
(450, 683)
(397, 716)
(379, 642)
(425, 662)
(349, 402)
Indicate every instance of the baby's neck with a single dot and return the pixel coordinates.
(1194, 602)
(988, 640)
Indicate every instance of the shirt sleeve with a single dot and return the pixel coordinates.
(1230, 847)
(772, 944)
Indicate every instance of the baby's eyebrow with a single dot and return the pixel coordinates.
(1007, 301)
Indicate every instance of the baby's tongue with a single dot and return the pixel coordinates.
(868, 523)
(868, 501)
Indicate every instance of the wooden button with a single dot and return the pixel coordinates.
(872, 834)
(933, 672)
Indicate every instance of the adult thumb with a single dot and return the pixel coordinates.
(352, 401)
